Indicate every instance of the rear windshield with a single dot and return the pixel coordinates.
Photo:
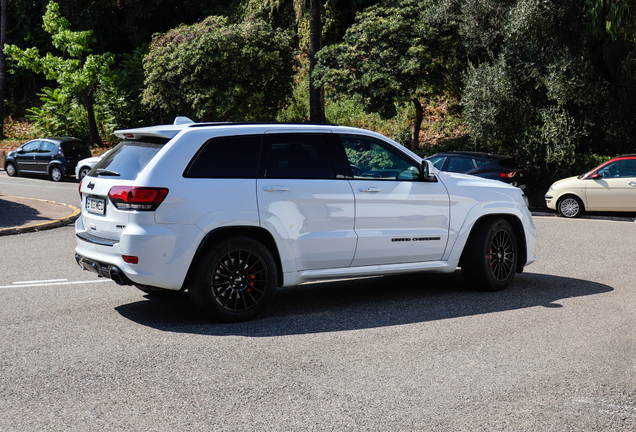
(127, 160)
(75, 150)
(509, 163)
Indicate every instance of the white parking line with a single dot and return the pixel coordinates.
(39, 281)
(55, 283)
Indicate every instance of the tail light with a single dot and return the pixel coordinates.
(137, 198)
(509, 174)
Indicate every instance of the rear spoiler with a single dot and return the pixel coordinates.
(160, 131)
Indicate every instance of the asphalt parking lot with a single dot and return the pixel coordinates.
(554, 352)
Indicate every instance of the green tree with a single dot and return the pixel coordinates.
(76, 70)
(214, 70)
(533, 89)
(400, 51)
(118, 101)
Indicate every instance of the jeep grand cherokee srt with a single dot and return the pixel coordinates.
(230, 212)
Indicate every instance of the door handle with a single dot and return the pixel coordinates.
(276, 189)
(370, 189)
(632, 183)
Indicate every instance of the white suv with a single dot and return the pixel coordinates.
(230, 212)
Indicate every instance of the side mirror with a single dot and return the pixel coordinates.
(428, 170)
(596, 176)
(20, 150)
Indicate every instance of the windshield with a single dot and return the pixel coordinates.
(591, 171)
(127, 160)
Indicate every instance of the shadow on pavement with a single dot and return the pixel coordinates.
(18, 214)
(364, 303)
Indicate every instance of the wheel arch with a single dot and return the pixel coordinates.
(517, 227)
(12, 162)
(570, 195)
(56, 164)
(224, 233)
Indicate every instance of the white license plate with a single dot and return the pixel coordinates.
(96, 205)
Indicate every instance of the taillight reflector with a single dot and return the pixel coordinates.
(137, 198)
(130, 259)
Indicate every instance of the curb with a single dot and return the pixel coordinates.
(56, 223)
(584, 216)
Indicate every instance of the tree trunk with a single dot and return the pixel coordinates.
(316, 100)
(92, 125)
(417, 124)
(3, 40)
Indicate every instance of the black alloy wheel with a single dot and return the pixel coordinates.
(502, 255)
(490, 258)
(236, 280)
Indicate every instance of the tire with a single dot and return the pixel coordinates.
(490, 259)
(56, 173)
(235, 280)
(82, 173)
(11, 170)
(570, 206)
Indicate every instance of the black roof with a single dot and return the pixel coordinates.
(62, 139)
(492, 156)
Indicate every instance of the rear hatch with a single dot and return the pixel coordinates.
(107, 188)
(513, 173)
(74, 151)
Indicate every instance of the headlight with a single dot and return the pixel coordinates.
(551, 188)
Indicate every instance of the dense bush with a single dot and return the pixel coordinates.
(534, 90)
(215, 71)
(59, 115)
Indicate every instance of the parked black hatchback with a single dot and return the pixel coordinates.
(55, 157)
(486, 165)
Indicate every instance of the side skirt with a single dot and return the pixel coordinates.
(296, 278)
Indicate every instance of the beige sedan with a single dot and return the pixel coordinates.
(608, 187)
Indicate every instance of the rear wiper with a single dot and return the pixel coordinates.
(106, 172)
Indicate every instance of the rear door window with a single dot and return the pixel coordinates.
(128, 159)
(227, 157)
(480, 162)
(460, 164)
(299, 156)
(46, 147)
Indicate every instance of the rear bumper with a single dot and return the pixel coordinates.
(104, 270)
(164, 251)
